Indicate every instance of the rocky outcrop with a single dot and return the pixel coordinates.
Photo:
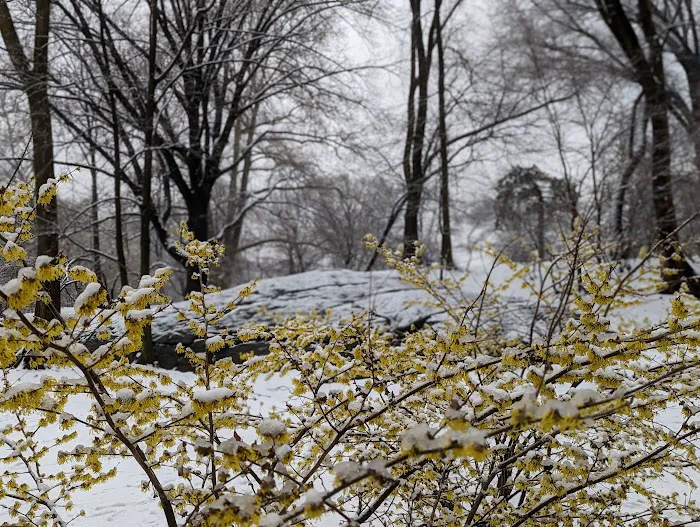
(392, 302)
(396, 305)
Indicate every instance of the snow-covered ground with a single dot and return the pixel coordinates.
(120, 501)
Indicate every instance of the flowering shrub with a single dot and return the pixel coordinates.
(465, 423)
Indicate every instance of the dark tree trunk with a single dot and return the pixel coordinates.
(198, 224)
(650, 74)
(238, 192)
(540, 239)
(693, 76)
(37, 92)
(35, 80)
(411, 227)
(47, 216)
(446, 258)
(414, 169)
(115, 129)
(95, 219)
(683, 40)
(119, 234)
(620, 195)
(145, 248)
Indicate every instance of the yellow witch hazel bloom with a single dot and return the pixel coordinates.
(82, 274)
(92, 296)
(47, 191)
(48, 269)
(23, 290)
(13, 252)
(464, 421)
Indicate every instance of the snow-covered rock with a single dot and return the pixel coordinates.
(342, 292)
(394, 303)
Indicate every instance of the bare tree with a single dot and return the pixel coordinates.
(209, 55)
(446, 258)
(677, 28)
(576, 48)
(414, 168)
(650, 74)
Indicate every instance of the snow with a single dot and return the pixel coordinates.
(20, 389)
(271, 520)
(347, 470)
(132, 296)
(214, 341)
(43, 260)
(342, 292)
(313, 498)
(272, 428)
(125, 394)
(13, 286)
(90, 290)
(120, 501)
(47, 187)
(139, 314)
(212, 396)
(339, 293)
(335, 293)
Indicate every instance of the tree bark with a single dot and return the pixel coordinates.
(35, 83)
(115, 129)
(238, 190)
(683, 40)
(693, 76)
(198, 224)
(650, 74)
(446, 257)
(414, 169)
(145, 248)
(95, 218)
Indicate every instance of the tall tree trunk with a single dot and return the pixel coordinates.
(35, 80)
(650, 74)
(95, 218)
(119, 234)
(446, 258)
(116, 145)
(414, 169)
(145, 246)
(238, 190)
(676, 266)
(634, 159)
(693, 76)
(653, 80)
(682, 39)
(540, 239)
(232, 201)
(245, 178)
